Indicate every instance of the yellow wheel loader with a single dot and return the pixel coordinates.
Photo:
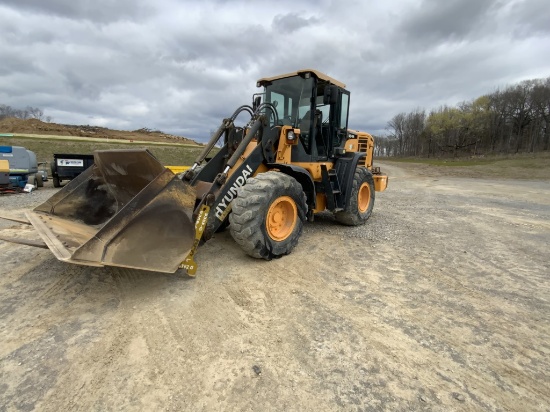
(295, 157)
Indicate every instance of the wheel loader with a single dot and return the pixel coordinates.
(293, 157)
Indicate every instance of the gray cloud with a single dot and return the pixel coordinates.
(440, 21)
(103, 11)
(530, 18)
(182, 66)
(291, 22)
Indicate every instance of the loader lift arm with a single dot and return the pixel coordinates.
(221, 190)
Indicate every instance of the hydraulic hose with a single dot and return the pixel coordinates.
(226, 124)
(258, 124)
(241, 109)
(271, 107)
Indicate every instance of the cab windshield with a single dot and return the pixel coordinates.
(291, 97)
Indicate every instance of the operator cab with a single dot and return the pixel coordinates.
(316, 104)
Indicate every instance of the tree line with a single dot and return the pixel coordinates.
(28, 112)
(513, 120)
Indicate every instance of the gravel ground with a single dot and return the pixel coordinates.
(16, 204)
(439, 303)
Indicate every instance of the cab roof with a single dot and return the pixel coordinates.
(316, 73)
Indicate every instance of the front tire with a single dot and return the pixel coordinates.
(361, 201)
(268, 215)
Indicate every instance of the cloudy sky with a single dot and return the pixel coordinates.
(181, 66)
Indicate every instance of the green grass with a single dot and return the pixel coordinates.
(519, 160)
(45, 148)
(441, 162)
(522, 166)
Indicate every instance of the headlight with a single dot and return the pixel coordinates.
(290, 136)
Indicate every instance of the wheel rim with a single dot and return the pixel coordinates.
(281, 218)
(363, 197)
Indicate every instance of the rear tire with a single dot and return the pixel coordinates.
(56, 181)
(361, 200)
(268, 214)
(39, 180)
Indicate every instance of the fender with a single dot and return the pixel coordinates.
(222, 191)
(345, 169)
(302, 176)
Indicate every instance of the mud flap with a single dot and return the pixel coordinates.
(127, 210)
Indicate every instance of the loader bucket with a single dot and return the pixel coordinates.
(126, 210)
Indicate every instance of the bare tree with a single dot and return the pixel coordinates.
(28, 112)
(396, 127)
(511, 120)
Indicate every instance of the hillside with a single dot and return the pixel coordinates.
(35, 126)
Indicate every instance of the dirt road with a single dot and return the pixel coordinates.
(440, 303)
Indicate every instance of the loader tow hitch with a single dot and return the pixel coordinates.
(189, 263)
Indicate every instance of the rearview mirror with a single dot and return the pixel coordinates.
(257, 102)
(330, 95)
